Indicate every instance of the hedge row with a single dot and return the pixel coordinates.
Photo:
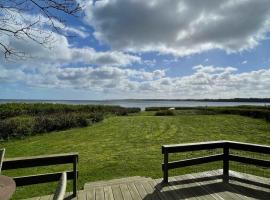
(22, 119)
(18, 109)
(26, 125)
(262, 112)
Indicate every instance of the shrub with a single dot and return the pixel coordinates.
(165, 113)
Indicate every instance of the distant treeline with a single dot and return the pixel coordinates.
(262, 112)
(22, 119)
(255, 100)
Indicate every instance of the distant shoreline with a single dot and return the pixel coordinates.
(255, 100)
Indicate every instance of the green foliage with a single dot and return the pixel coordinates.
(16, 109)
(131, 146)
(165, 113)
(20, 119)
(262, 112)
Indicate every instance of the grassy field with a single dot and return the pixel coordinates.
(122, 146)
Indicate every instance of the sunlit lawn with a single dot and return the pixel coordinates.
(129, 146)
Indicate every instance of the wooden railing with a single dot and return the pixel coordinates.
(35, 161)
(225, 156)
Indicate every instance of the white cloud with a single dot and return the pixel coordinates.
(205, 82)
(180, 27)
(244, 62)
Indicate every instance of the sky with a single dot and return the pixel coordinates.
(173, 49)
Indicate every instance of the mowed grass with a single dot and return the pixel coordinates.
(130, 145)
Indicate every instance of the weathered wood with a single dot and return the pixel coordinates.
(125, 192)
(117, 192)
(196, 186)
(226, 157)
(40, 178)
(193, 161)
(99, 193)
(249, 147)
(2, 154)
(140, 189)
(35, 161)
(251, 161)
(108, 194)
(133, 191)
(192, 146)
(226, 162)
(45, 160)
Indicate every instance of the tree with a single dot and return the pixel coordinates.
(34, 20)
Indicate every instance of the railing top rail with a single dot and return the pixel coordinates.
(192, 146)
(249, 147)
(35, 161)
(73, 154)
(215, 144)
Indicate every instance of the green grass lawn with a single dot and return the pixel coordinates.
(131, 145)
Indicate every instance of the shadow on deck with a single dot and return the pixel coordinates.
(204, 185)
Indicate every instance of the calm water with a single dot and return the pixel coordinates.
(140, 103)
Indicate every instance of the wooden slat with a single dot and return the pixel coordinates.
(152, 192)
(108, 194)
(81, 195)
(117, 192)
(47, 197)
(215, 187)
(140, 189)
(99, 193)
(125, 192)
(190, 189)
(167, 190)
(227, 186)
(252, 161)
(34, 161)
(192, 146)
(41, 178)
(194, 161)
(249, 147)
(157, 189)
(90, 193)
(133, 191)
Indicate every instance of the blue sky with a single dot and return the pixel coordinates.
(147, 49)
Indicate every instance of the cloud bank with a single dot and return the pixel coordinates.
(180, 27)
(205, 82)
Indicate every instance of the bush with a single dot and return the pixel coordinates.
(39, 109)
(165, 113)
(22, 119)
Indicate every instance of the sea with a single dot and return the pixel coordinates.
(141, 103)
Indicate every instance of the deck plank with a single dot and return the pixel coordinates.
(99, 193)
(81, 195)
(214, 186)
(167, 191)
(151, 190)
(140, 189)
(133, 191)
(125, 192)
(189, 189)
(197, 186)
(108, 194)
(232, 191)
(90, 194)
(161, 195)
(251, 191)
(117, 192)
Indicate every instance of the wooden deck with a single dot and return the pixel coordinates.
(204, 185)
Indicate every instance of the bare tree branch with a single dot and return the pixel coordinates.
(34, 20)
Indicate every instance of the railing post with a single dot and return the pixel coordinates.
(75, 175)
(226, 162)
(165, 166)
